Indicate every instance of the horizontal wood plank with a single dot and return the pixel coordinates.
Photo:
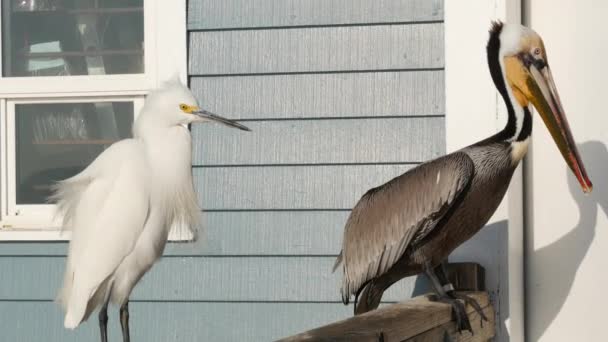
(232, 233)
(322, 49)
(233, 279)
(392, 140)
(418, 319)
(289, 187)
(404, 93)
(222, 14)
(171, 322)
(275, 233)
(482, 331)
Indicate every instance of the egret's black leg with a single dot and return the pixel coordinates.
(103, 322)
(460, 314)
(124, 321)
(441, 272)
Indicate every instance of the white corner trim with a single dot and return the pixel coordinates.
(171, 40)
(474, 111)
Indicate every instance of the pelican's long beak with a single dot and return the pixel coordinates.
(205, 115)
(543, 95)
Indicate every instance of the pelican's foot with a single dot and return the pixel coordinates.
(458, 312)
(470, 301)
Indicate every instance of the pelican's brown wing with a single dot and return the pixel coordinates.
(387, 218)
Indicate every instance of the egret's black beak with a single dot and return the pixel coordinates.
(205, 115)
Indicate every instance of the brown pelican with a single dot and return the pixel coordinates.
(413, 222)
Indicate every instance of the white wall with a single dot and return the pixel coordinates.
(567, 232)
(472, 97)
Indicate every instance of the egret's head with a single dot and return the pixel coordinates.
(173, 104)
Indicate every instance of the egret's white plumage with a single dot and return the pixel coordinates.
(121, 207)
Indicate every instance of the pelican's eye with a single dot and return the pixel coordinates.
(537, 51)
(184, 108)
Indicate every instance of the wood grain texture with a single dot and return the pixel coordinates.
(233, 279)
(222, 14)
(392, 140)
(415, 320)
(466, 276)
(482, 331)
(322, 49)
(403, 93)
(239, 233)
(289, 187)
(171, 322)
(263, 233)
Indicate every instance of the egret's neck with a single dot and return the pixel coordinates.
(169, 154)
(168, 149)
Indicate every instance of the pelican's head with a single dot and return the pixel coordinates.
(523, 61)
(174, 104)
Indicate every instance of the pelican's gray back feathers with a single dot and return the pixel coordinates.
(387, 219)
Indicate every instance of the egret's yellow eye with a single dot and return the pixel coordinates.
(183, 107)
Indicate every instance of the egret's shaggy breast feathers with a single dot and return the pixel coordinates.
(107, 205)
(120, 209)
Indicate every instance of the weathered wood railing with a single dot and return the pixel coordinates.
(417, 319)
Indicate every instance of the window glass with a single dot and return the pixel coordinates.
(72, 37)
(55, 141)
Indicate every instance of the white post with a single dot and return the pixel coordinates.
(474, 111)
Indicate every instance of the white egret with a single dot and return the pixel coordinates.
(121, 207)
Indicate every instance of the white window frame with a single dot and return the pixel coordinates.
(36, 216)
(165, 56)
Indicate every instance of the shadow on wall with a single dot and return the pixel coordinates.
(562, 258)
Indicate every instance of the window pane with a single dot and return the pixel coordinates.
(72, 37)
(57, 140)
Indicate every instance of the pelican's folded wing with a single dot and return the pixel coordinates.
(387, 218)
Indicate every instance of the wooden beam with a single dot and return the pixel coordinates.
(418, 319)
(467, 276)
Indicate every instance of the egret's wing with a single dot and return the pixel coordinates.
(387, 218)
(106, 206)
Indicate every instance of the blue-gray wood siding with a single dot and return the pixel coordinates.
(341, 95)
